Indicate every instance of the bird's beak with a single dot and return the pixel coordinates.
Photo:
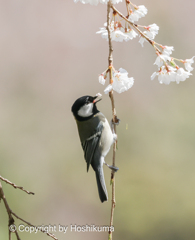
(97, 98)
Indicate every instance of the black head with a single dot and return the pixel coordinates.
(85, 108)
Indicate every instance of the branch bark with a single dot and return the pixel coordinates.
(114, 117)
(15, 186)
(9, 212)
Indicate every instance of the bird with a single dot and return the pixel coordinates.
(96, 136)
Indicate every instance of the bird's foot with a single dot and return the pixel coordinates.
(115, 169)
(115, 122)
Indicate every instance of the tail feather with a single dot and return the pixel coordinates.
(101, 185)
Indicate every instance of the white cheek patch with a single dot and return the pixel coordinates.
(86, 110)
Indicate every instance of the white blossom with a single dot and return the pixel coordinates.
(152, 31)
(140, 11)
(117, 32)
(181, 75)
(121, 82)
(133, 17)
(114, 1)
(167, 50)
(165, 75)
(104, 32)
(142, 40)
(118, 36)
(95, 2)
(154, 74)
(102, 79)
(164, 78)
(188, 63)
(130, 33)
(170, 74)
(92, 2)
(161, 59)
(108, 89)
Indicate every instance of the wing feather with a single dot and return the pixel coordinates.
(90, 144)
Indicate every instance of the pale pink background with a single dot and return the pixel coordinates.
(49, 56)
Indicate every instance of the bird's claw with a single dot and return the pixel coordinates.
(116, 121)
(115, 169)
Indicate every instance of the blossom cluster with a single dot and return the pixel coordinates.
(168, 71)
(118, 32)
(120, 81)
(95, 2)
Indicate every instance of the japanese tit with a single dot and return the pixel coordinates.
(96, 138)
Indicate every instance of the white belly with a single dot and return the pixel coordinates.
(107, 138)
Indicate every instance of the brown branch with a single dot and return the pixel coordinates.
(11, 220)
(110, 58)
(14, 185)
(11, 225)
(10, 235)
(17, 235)
(136, 28)
(111, 95)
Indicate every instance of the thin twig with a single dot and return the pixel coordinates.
(15, 186)
(2, 196)
(110, 64)
(10, 212)
(110, 58)
(10, 235)
(17, 235)
(11, 220)
(29, 224)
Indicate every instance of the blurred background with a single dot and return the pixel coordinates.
(50, 55)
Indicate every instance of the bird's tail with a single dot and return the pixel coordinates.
(101, 184)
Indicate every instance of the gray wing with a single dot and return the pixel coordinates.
(90, 145)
